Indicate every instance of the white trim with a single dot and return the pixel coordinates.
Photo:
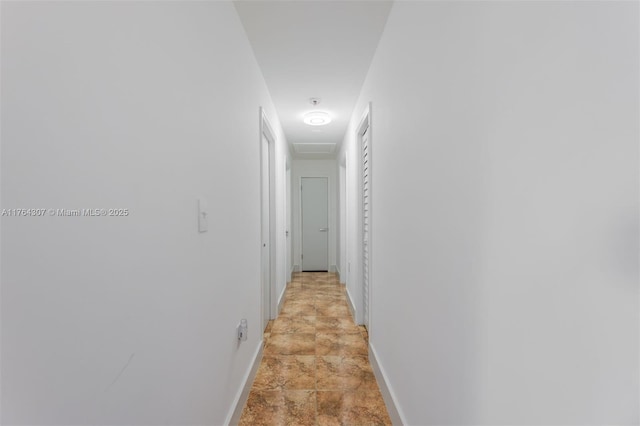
(233, 417)
(352, 307)
(281, 300)
(390, 399)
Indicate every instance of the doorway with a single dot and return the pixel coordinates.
(342, 221)
(289, 225)
(315, 218)
(268, 216)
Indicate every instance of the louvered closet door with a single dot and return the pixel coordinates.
(366, 204)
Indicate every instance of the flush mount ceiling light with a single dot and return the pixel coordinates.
(317, 118)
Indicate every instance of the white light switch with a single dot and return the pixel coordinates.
(202, 215)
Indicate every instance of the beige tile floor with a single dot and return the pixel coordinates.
(315, 368)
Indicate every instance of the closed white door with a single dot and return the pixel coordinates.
(366, 210)
(315, 226)
(266, 253)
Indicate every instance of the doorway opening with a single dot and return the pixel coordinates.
(314, 197)
(268, 219)
(288, 227)
(342, 221)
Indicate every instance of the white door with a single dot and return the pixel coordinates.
(315, 228)
(266, 255)
(366, 212)
(342, 230)
(288, 226)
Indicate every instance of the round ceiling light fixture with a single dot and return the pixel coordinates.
(317, 118)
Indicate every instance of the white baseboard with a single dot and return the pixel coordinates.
(397, 418)
(280, 301)
(352, 306)
(296, 268)
(339, 275)
(233, 418)
(333, 269)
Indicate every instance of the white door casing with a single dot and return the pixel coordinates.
(315, 223)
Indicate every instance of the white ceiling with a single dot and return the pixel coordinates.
(319, 49)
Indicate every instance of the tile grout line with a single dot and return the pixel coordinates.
(311, 289)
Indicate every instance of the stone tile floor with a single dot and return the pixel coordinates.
(315, 368)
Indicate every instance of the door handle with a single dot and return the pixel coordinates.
(323, 229)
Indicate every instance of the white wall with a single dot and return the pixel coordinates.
(315, 168)
(145, 106)
(505, 202)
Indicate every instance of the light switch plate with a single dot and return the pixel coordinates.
(203, 220)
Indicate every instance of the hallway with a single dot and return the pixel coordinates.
(315, 369)
(482, 170)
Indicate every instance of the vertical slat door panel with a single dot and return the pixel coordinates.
(365, 225)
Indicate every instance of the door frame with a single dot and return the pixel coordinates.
(298, 213)
(365, 127)
(341, 231)
(288, 219)
(268, 288)
(328, 178)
